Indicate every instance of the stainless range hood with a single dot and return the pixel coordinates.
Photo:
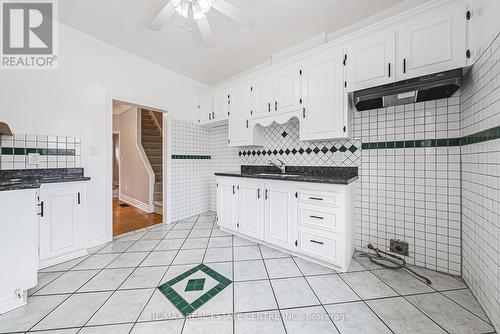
(426, 88)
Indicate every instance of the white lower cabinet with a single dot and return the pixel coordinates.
(313, 221)
(250, 220)
(62, 229)
(280, 214)
(227, 203)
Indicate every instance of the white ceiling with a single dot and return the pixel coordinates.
(281, 24)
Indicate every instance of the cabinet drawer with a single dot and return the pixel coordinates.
(317, 197)
(317, 217)
(317, 245)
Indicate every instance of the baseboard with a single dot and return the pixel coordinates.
(135, 203)
(63, 258)
(97, 242)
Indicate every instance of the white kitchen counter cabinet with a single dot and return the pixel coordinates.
(62, 225)
(19, 240)
(310, 220)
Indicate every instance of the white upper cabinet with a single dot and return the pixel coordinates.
(220, 106)
(262, 94)
(242, 131)
(370, 62)
(433, 43)
(286, 89)
(324, 109)
(204, 109)
(239, 116)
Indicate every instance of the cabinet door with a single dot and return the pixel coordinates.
(205, 110)
(370, 62)
(19, 240)
(220, 106)
(61, 227)
(433, 44)
(324, 115)
(280, 226)
(240, 133)
(227, 203)
(261, 89)
(251, 208)
(286, 90)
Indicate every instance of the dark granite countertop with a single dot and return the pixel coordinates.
(34, 178)
(330, 175)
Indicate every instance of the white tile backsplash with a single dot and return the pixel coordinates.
(55, 152)
(481, 182)
(410, 193)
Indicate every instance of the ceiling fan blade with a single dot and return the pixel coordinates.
(165, 14)
(206, 32)
(234, 13)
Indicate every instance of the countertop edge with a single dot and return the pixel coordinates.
(305, 179)
(38, 184)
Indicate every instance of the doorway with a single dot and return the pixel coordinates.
(137, 167)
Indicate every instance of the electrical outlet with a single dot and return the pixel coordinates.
(399, 247)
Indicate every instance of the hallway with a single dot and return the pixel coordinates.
(129, 218)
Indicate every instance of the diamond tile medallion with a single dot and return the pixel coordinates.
(195, 287)
(195, 284)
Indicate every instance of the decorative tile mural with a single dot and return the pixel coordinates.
(54, 151)
(281, 141)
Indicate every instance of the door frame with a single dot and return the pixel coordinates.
(167, 160)
(119, 162)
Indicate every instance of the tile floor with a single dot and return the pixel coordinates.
(114, 290)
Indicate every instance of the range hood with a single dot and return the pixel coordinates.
(426, 88)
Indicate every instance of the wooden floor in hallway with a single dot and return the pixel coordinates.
(126, 219)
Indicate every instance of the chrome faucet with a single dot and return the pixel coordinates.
(281, 165)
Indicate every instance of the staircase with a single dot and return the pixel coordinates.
(151, 139)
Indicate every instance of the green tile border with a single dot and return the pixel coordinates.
(180, 303)
(479, 137)
(191, 157)
(41, 151)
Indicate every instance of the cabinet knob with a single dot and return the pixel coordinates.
(276, 105)
(269, 106)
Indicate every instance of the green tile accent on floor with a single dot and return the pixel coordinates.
(193, 285)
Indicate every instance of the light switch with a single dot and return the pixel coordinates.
(94, 151)
(33, 158)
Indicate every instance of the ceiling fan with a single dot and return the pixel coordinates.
(196, 10)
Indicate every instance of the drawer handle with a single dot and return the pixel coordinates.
(316, 198)
(317, 242)
(316, 217)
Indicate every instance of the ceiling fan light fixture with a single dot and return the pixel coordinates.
(205, 5)
(198, 7)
